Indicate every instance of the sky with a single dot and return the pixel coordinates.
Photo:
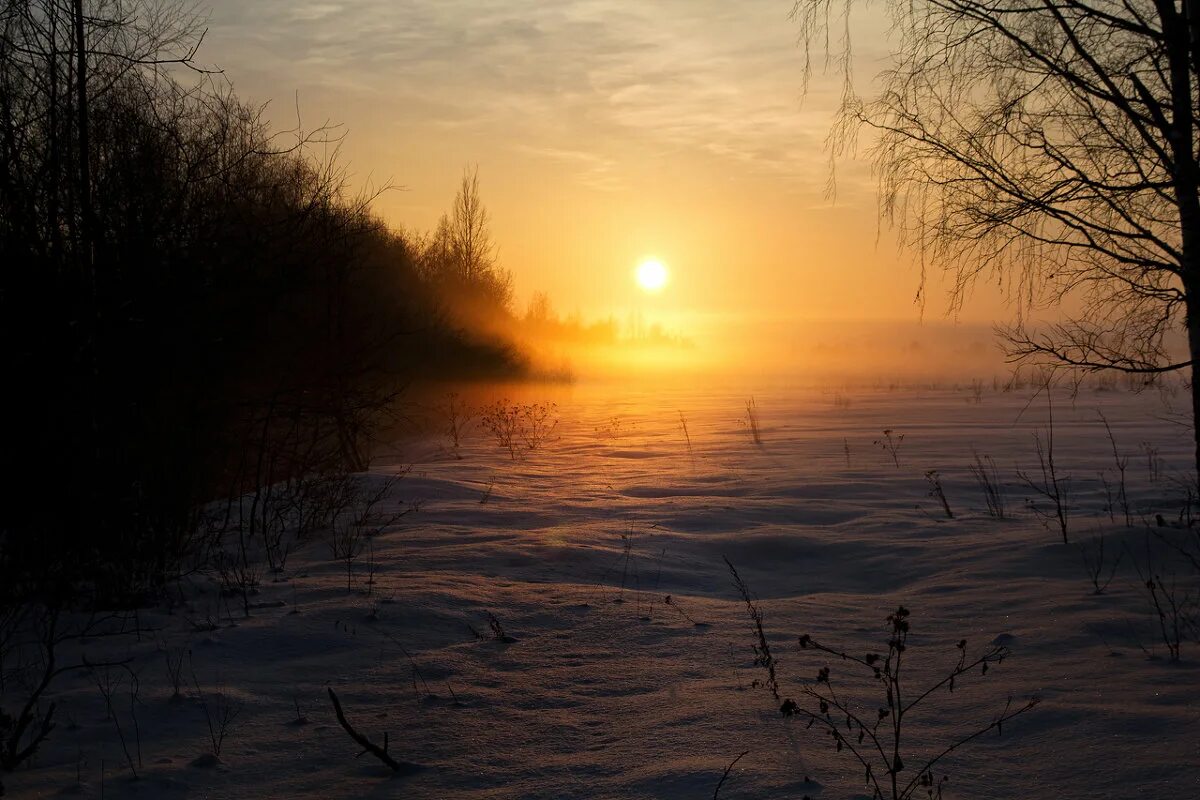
(604, 132)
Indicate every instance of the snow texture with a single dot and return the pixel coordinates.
(604, 689)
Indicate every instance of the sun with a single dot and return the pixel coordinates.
(652, 275)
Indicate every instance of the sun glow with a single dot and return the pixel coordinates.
(652, 275)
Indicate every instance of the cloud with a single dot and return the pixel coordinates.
(707, 76)
(591, 169)
(310, 12)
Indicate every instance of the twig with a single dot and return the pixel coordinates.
(367, 745)
(725, 775)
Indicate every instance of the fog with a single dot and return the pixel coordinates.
(809, 351)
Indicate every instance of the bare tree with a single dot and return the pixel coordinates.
(470, 226)
(154, 224)
(1052, 146)
(539, 311)
(461, 251)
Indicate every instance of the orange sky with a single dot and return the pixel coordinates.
(604, 132)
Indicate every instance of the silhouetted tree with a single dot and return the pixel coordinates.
(460, 256)
(1053, 146)
(539, 311)
(470, 230)
(192, 307)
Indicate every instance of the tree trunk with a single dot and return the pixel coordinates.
(85, 164)
(1181, 133)
(1193, 327)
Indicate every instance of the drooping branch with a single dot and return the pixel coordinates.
(1050, 147)
(1086, 348)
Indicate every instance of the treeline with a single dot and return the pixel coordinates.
(190, 305)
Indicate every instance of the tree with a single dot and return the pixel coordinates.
(192, 308)
(539, 311)
(471, 231)
(460, 256)
(1051, 146)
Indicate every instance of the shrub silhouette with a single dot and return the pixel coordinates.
(873, 731)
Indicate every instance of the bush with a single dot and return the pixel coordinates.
(876, 739)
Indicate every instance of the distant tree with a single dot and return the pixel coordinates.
(1053, 146)
(461, 255)
(539, 310)
(439, 253)
(470, 229)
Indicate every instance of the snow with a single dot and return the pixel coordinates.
(607, 690)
